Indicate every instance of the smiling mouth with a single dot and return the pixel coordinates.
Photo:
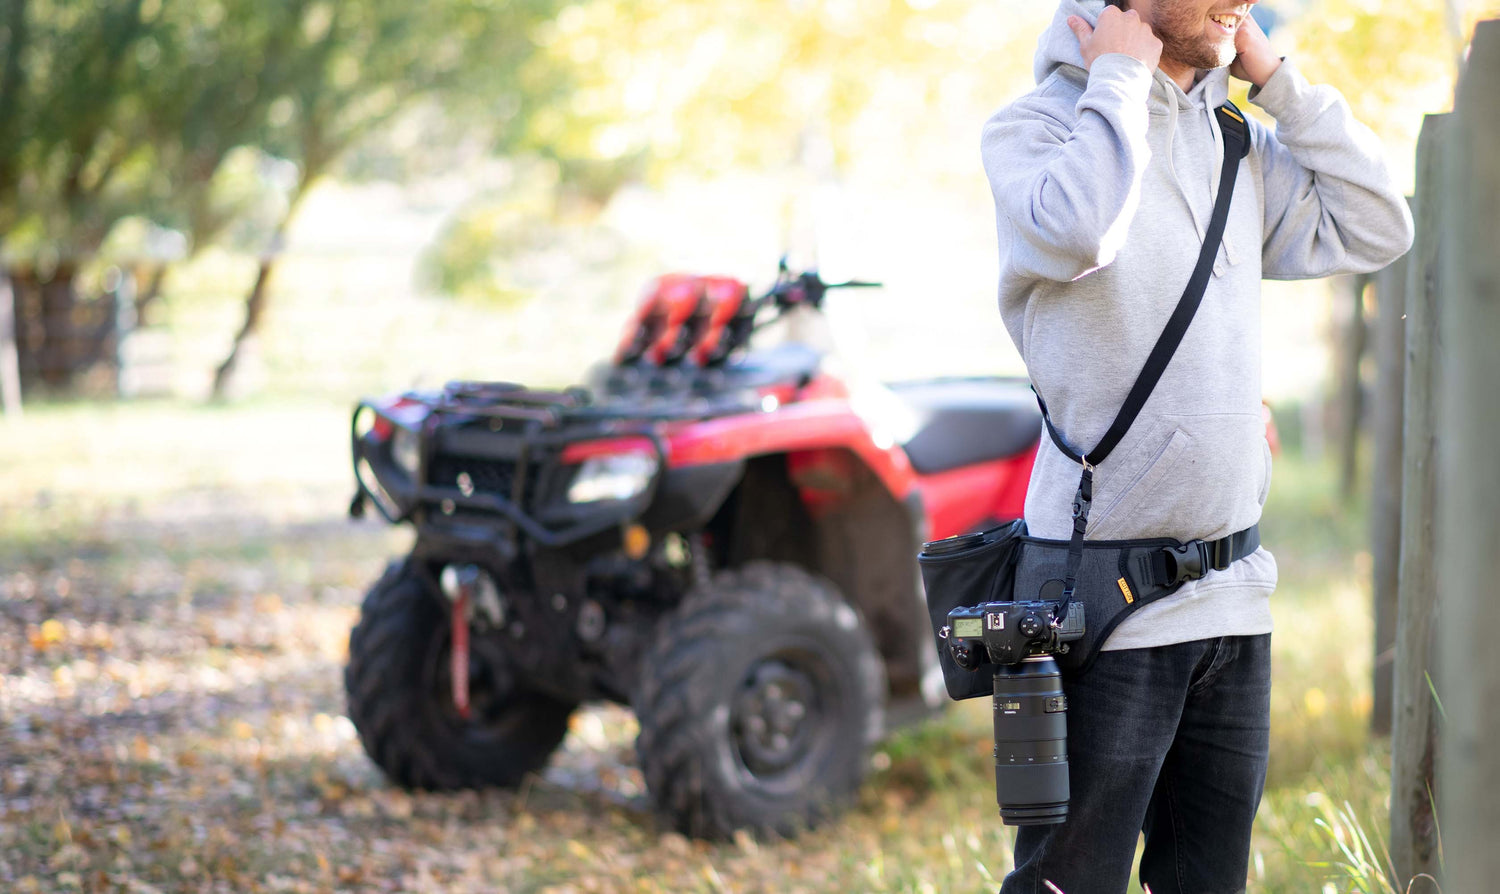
(1227, 20)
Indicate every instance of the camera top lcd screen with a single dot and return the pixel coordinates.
(967, 627)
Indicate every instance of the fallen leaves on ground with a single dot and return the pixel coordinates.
(171, 719)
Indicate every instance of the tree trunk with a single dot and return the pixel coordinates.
(57, 359)
(1468, 533)
(255, 308)
(146, 300)
(10, 366)
(256, 301)
(1385, 495)
(1351, 388)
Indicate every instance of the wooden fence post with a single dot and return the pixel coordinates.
(1468, 532)
(1414, 724)
(1385, 491)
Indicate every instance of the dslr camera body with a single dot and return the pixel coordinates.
(1008, 632)
(1031, 711)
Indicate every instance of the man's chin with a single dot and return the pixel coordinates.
(1203, 57)
(1219, 54)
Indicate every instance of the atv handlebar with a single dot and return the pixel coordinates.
(703, 320)
(807, 288)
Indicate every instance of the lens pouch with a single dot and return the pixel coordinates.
(967, 570)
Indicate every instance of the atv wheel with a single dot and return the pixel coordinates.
(758, 704)
(400, 696)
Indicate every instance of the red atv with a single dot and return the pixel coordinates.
(723, 539)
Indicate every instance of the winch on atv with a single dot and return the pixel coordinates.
(721, 538)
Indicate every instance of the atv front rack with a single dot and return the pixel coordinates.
(525, 432)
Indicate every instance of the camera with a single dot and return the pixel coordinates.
(1031, 725)
(1006, 632)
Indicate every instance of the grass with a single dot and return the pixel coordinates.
(176, 588)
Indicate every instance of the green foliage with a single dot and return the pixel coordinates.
(766, 83)
(497, 248)
(127, 107)
(133, 107)
(465, 259)
(1392, 61)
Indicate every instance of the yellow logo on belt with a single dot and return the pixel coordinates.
(1125, 588)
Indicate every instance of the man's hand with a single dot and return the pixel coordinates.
(1256, 61)
(1117, 32)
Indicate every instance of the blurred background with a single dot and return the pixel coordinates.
(221, 221)
(245, 198)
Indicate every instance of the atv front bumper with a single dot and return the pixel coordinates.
(510, 470)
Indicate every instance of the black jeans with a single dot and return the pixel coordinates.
(1171, 741)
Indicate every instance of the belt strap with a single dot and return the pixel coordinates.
(1173, 565)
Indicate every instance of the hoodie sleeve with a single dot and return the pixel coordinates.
(1330, 205)
(1067, 180)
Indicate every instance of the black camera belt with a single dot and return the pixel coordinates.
(1196, 558)
(1236, 136)
(1167, 563)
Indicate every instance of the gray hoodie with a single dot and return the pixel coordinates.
(1104, 180)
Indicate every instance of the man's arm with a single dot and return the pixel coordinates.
(1330, 204)
(1069, 189)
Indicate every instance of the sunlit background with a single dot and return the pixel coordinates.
(406, 193)
(432, 191)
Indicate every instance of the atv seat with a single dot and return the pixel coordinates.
(787, 363)
(968, 421)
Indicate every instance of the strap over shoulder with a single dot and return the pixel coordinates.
(1236, 132)
(1236, 146)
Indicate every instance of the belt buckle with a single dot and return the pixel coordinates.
(1189, 561)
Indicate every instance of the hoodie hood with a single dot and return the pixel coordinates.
(1057, 52)
(1058, 46)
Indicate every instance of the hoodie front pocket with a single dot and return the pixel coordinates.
(1140, 487)
(1207, 480)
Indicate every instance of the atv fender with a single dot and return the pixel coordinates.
(688, 496)
(836, 518)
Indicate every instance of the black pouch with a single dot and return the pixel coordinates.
(967, 570)
(1114, 581)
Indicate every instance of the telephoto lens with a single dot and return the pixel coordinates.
(1031, 743)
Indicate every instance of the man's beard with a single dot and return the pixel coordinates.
(1180, 29)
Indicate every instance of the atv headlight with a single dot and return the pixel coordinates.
(617, 477)
(406, 450)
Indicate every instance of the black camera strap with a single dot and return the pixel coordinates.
(1236, 134)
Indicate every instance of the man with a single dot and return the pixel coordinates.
(1104, 178)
